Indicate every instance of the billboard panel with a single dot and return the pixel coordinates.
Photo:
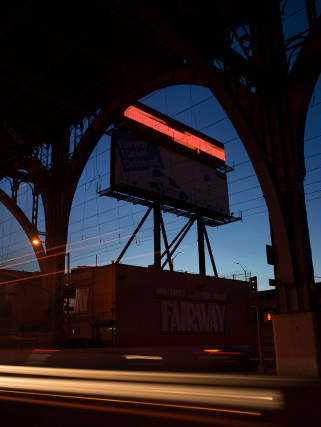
(175, 135)
(140, 166)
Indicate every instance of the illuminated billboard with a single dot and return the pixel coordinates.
(143, 168)
(177, 134)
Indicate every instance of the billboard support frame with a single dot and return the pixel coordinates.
(159, 229)
(157, 234)
(210, 251)
(201, 247)
(167, 251)
(181, 236)
(133, 235)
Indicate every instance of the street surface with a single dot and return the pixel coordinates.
(48, 396)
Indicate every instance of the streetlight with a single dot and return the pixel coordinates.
(36, 240)
(242, 269)
(179, 252)
(37, 245)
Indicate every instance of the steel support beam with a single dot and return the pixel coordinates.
(201, 248)
(157, 235)
(133, 235)
(210, 251)
(167, 249)
(179, 237)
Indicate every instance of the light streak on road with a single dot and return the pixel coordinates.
(145, 386)
(132, 402)
(146, 376)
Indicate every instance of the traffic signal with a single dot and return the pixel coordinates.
(74, 331)
(253, 279)
(69, 292)
(267, 317)
(253, 292)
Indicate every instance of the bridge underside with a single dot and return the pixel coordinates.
(79, 64)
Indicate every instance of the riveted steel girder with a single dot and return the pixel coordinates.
(175, 42)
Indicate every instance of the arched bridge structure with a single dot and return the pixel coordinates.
(79, 64)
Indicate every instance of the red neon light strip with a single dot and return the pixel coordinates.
(184, 138)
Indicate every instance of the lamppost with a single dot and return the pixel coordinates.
(179, 252)
(242, 269)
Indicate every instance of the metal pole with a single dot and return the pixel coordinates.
(134, 234)
(68, 283)
(167, 249)
(242, 269)
(261, 363)
(157, 235)
(210, 251)
(258, 323)
(201, 249)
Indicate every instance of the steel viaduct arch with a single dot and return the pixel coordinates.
(267, 105)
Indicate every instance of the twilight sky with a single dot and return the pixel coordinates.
(100, 226)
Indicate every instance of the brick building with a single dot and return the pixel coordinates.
(121, 305)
